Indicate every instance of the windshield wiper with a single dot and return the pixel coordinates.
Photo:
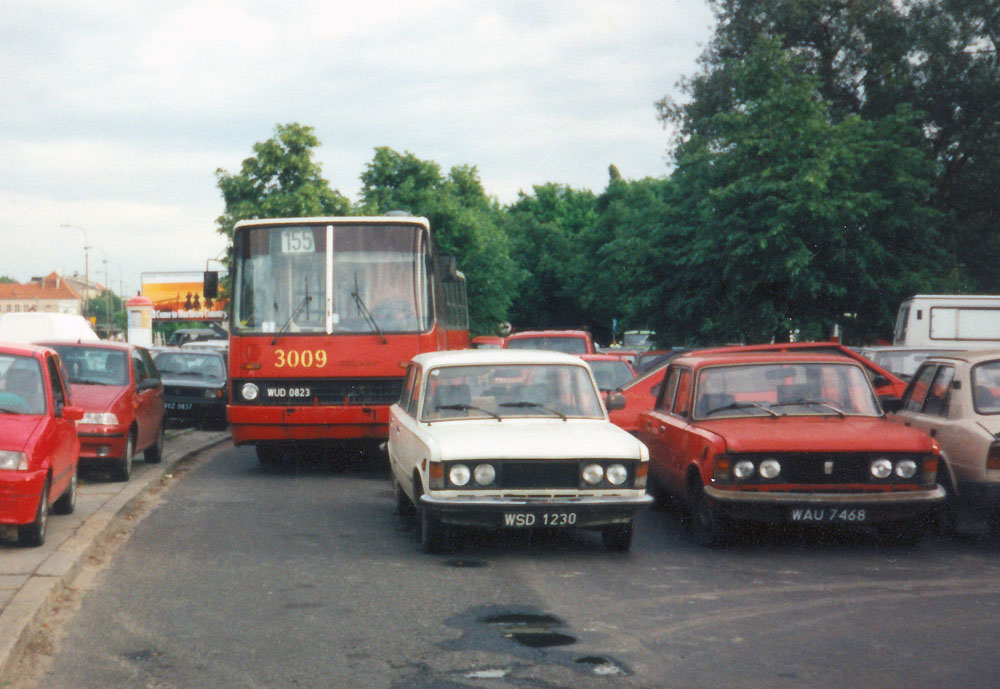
(805, 402)
(534, 405)
(369, 318)
(742, 405)
(305, 300)
(467, 407)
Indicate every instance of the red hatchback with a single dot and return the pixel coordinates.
(38, 443)
(120, 390)
(787, 438)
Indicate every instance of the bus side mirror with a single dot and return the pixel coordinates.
(210, 287)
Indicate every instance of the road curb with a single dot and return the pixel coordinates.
(42, 587)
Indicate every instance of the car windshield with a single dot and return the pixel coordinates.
(784, 389)
(193, 365)
(611, 375)
(569, 345)
(986, 387)
(94, 365)
(21, 390)
(493, 391)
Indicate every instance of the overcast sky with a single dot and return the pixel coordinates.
(115, 114)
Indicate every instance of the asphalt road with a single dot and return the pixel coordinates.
(245, 577)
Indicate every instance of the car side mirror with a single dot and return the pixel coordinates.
(891, 405)
(880, 381)
(70, 413)
(615, 401)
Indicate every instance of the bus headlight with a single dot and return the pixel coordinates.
(249, 392)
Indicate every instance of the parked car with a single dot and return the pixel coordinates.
(32, 326)
(487, 342)
(569, 341)
(511, 440)
(611, 372)
(639, 340)
(120, 391)
(902, 360)
(639, 394)
(39, 448)
(195, 386)
(956, 399)
(786, 438)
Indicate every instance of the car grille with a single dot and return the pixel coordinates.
(538, 474)
(326, 391)
(828, 468)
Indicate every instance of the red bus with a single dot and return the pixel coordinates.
(324, 316)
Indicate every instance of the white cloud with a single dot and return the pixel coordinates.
(116, 115)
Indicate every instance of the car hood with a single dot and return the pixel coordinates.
(533, 439)
(17, 431)
(818, 434)
(96, 398)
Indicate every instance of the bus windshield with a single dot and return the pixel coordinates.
(331, 278)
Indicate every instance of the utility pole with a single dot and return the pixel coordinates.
(86, 267)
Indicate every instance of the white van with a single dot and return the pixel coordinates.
(36, 327)
(967, 321)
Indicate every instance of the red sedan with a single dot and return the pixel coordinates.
(39, 448)
(120, 390)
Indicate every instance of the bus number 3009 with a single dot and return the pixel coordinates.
(293, 358)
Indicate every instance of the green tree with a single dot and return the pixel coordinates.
(464, 222)
(545, 230)
(785, 219)
(281, 180)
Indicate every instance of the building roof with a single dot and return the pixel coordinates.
(51, 287)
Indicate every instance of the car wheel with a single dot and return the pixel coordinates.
(435, 536)
(618, 537)
(122, 470)
(708, 527)
(154, 453)
(404, 507)
(67, 501)
(33, 534)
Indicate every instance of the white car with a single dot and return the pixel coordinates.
(513, 439)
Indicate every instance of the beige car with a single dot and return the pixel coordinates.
(956, 399)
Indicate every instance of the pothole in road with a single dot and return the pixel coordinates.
(531, 630)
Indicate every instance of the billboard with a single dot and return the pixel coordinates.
(178, 297)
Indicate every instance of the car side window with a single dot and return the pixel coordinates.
(147, 360)
(682, 401)
(938, 394)
(407, 392)
(414, 401)
(914, 396)
(668, 388)
(55, 380)
(139, 366)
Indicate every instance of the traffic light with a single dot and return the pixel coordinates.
(210, 289)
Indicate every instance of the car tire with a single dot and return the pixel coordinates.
(122, 469)
(33, 534)
(708, 526)
(404, 507)
(67, 501)
(154, 453)
(618, 537)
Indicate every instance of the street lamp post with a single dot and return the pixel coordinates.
(107, 291)
(86, 267)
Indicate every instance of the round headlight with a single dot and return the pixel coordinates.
(593, 473)
(459, 475)
(906, 468)
(770, 468)
(881, 468)
(617, 474)
(743, 469)
(485, 474)
(249, 392)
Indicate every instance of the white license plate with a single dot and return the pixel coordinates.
(827, 514)
(529, 519)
